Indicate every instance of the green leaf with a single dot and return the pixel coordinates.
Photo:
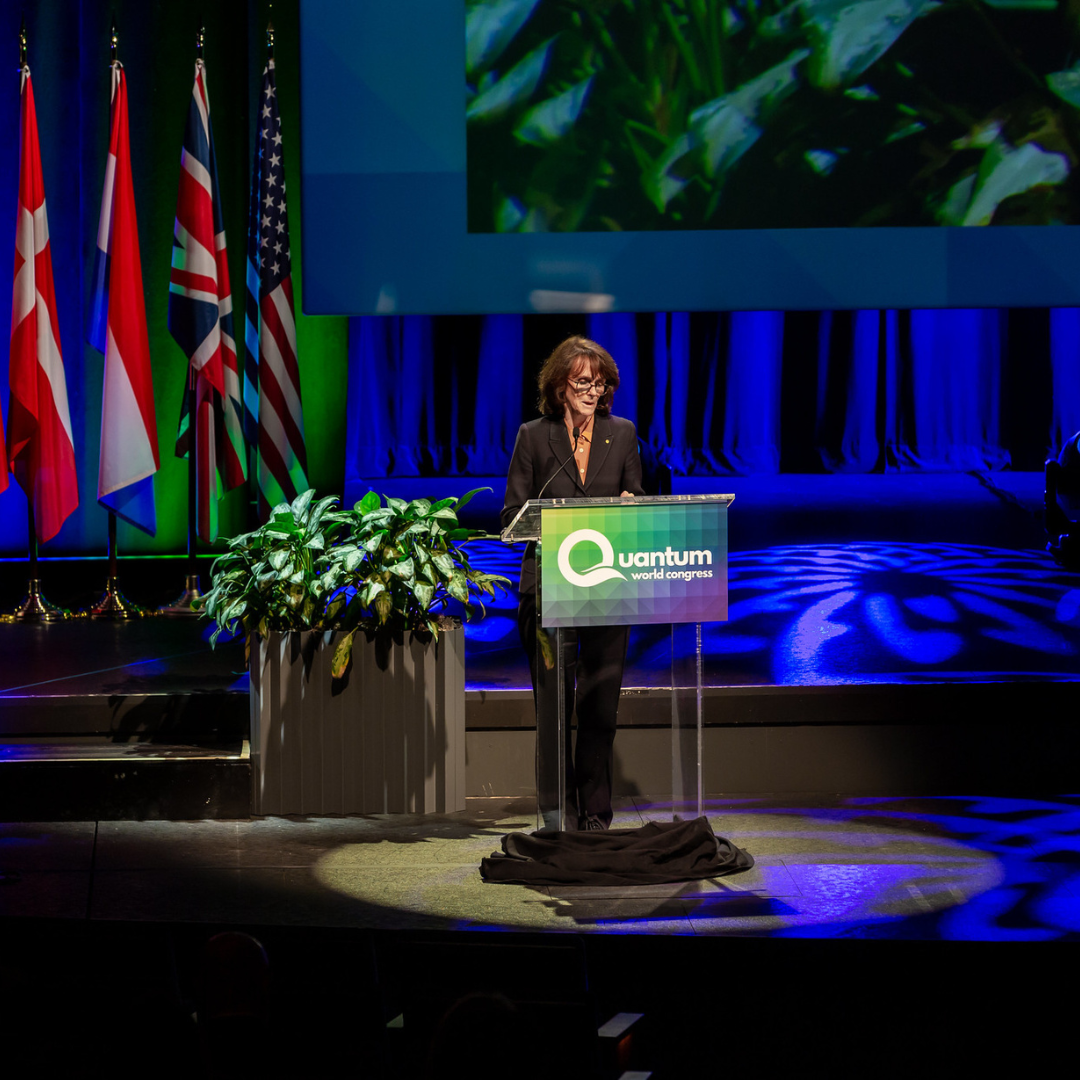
(490, 27)
(1003, 172)
(464, 500)
(280, 559)
(300, 505)
(369, 502)
(377, 519)
(424, 594)
(342, 655)
(727, 127)
(319, 512)
(443, 563)
(514, 88)
(848, 38)
(1066, 84)
(458, 586)
(549, 121)
(509, 214)
(406, 569)
(382, 606)
(283, 527)
(419, 507)
(234, 611)
(660, 180)
(370, 591)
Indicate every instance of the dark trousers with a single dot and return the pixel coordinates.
(593, 665)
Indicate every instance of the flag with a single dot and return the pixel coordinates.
(270, 334)
(3, 460)
(251, 310)
(201, 320)
(40, 449)
(129, 446)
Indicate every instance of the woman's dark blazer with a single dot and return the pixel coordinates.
(614, 467)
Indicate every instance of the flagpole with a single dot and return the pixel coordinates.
(34, 608)
(113, 604)
(184, 604)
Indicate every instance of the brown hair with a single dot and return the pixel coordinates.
(556, 371)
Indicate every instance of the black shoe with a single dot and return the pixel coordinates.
(594, 824)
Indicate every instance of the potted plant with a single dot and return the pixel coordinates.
(356, 661)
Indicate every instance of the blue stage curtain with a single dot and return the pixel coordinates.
(949, 392)
(1065, 373)
(749, 439)
(493, 398)
(666, 432)
(884, 390)
(850, 359)
(715, 392)
(391, 423)
(433, 397)
(617, 332)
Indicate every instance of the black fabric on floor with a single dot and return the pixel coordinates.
(662, 851)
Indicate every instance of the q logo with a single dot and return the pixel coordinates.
(604, 570)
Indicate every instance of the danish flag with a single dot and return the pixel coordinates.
(39, 444)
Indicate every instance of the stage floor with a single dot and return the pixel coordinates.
(961, 868)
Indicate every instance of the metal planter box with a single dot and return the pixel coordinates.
(385, 742)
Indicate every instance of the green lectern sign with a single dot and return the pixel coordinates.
(632, 562)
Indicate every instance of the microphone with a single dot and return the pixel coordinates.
(562, 465)
(509, 528)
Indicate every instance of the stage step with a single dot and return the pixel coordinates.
(183, 718)
(91, 779)
(885, 739)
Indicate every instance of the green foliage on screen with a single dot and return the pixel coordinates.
(691, 114)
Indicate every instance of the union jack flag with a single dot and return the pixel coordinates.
(201, 319)
(270, 334)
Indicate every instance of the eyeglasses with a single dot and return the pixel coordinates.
(583, 386)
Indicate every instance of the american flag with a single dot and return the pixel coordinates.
(282, 458)
(39, 443)
(201, 319)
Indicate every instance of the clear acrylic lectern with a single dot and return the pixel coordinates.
(671, 571)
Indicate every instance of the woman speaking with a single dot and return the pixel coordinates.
(576, 449)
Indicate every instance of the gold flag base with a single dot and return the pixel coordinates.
(35, 608)
(113, 604)
(184, 604)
